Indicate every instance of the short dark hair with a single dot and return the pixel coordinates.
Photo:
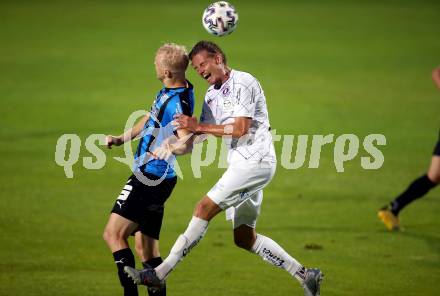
(209, 47)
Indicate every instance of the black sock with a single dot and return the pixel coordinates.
(417, 189)
(123, 258)
(154, 262)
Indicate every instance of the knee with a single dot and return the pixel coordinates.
(111, 237)
(107, 235)
(206, 209)
(434, 177)
(201, 208)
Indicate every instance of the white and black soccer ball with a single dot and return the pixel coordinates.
(220, 18)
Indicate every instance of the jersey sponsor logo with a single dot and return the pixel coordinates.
(227, 105)
(252, 97)
(237, 97)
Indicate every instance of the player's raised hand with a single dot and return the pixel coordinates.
(185, 122)
(436, 76)
(112, 140)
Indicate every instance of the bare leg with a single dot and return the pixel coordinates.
(115, 234)
(206, 209)
(146, 247)
(434, 170)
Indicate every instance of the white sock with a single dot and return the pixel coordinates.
(272, 253)
(185, 242)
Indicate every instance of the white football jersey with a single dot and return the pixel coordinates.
(241, 96)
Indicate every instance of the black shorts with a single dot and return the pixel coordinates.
(144, 204)
(437, 147)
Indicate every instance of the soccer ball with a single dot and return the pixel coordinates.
(220, 18)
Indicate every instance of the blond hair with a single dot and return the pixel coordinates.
(173, 57)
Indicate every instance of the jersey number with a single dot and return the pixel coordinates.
(125, 192)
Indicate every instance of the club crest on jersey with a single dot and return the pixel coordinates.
(225, 91)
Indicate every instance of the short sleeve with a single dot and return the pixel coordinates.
(174, 107)
(185, 106)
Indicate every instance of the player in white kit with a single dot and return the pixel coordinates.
(235, 109)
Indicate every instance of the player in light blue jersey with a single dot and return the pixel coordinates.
(139, 208)
(234, 108)
(169, 102)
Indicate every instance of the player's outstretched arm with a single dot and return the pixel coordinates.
(182, 144)
(129, 134)
(237, 129)
(436, 76)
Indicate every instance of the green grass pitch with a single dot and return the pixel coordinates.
(340, 67)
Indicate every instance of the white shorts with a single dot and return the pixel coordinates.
(240, 191)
